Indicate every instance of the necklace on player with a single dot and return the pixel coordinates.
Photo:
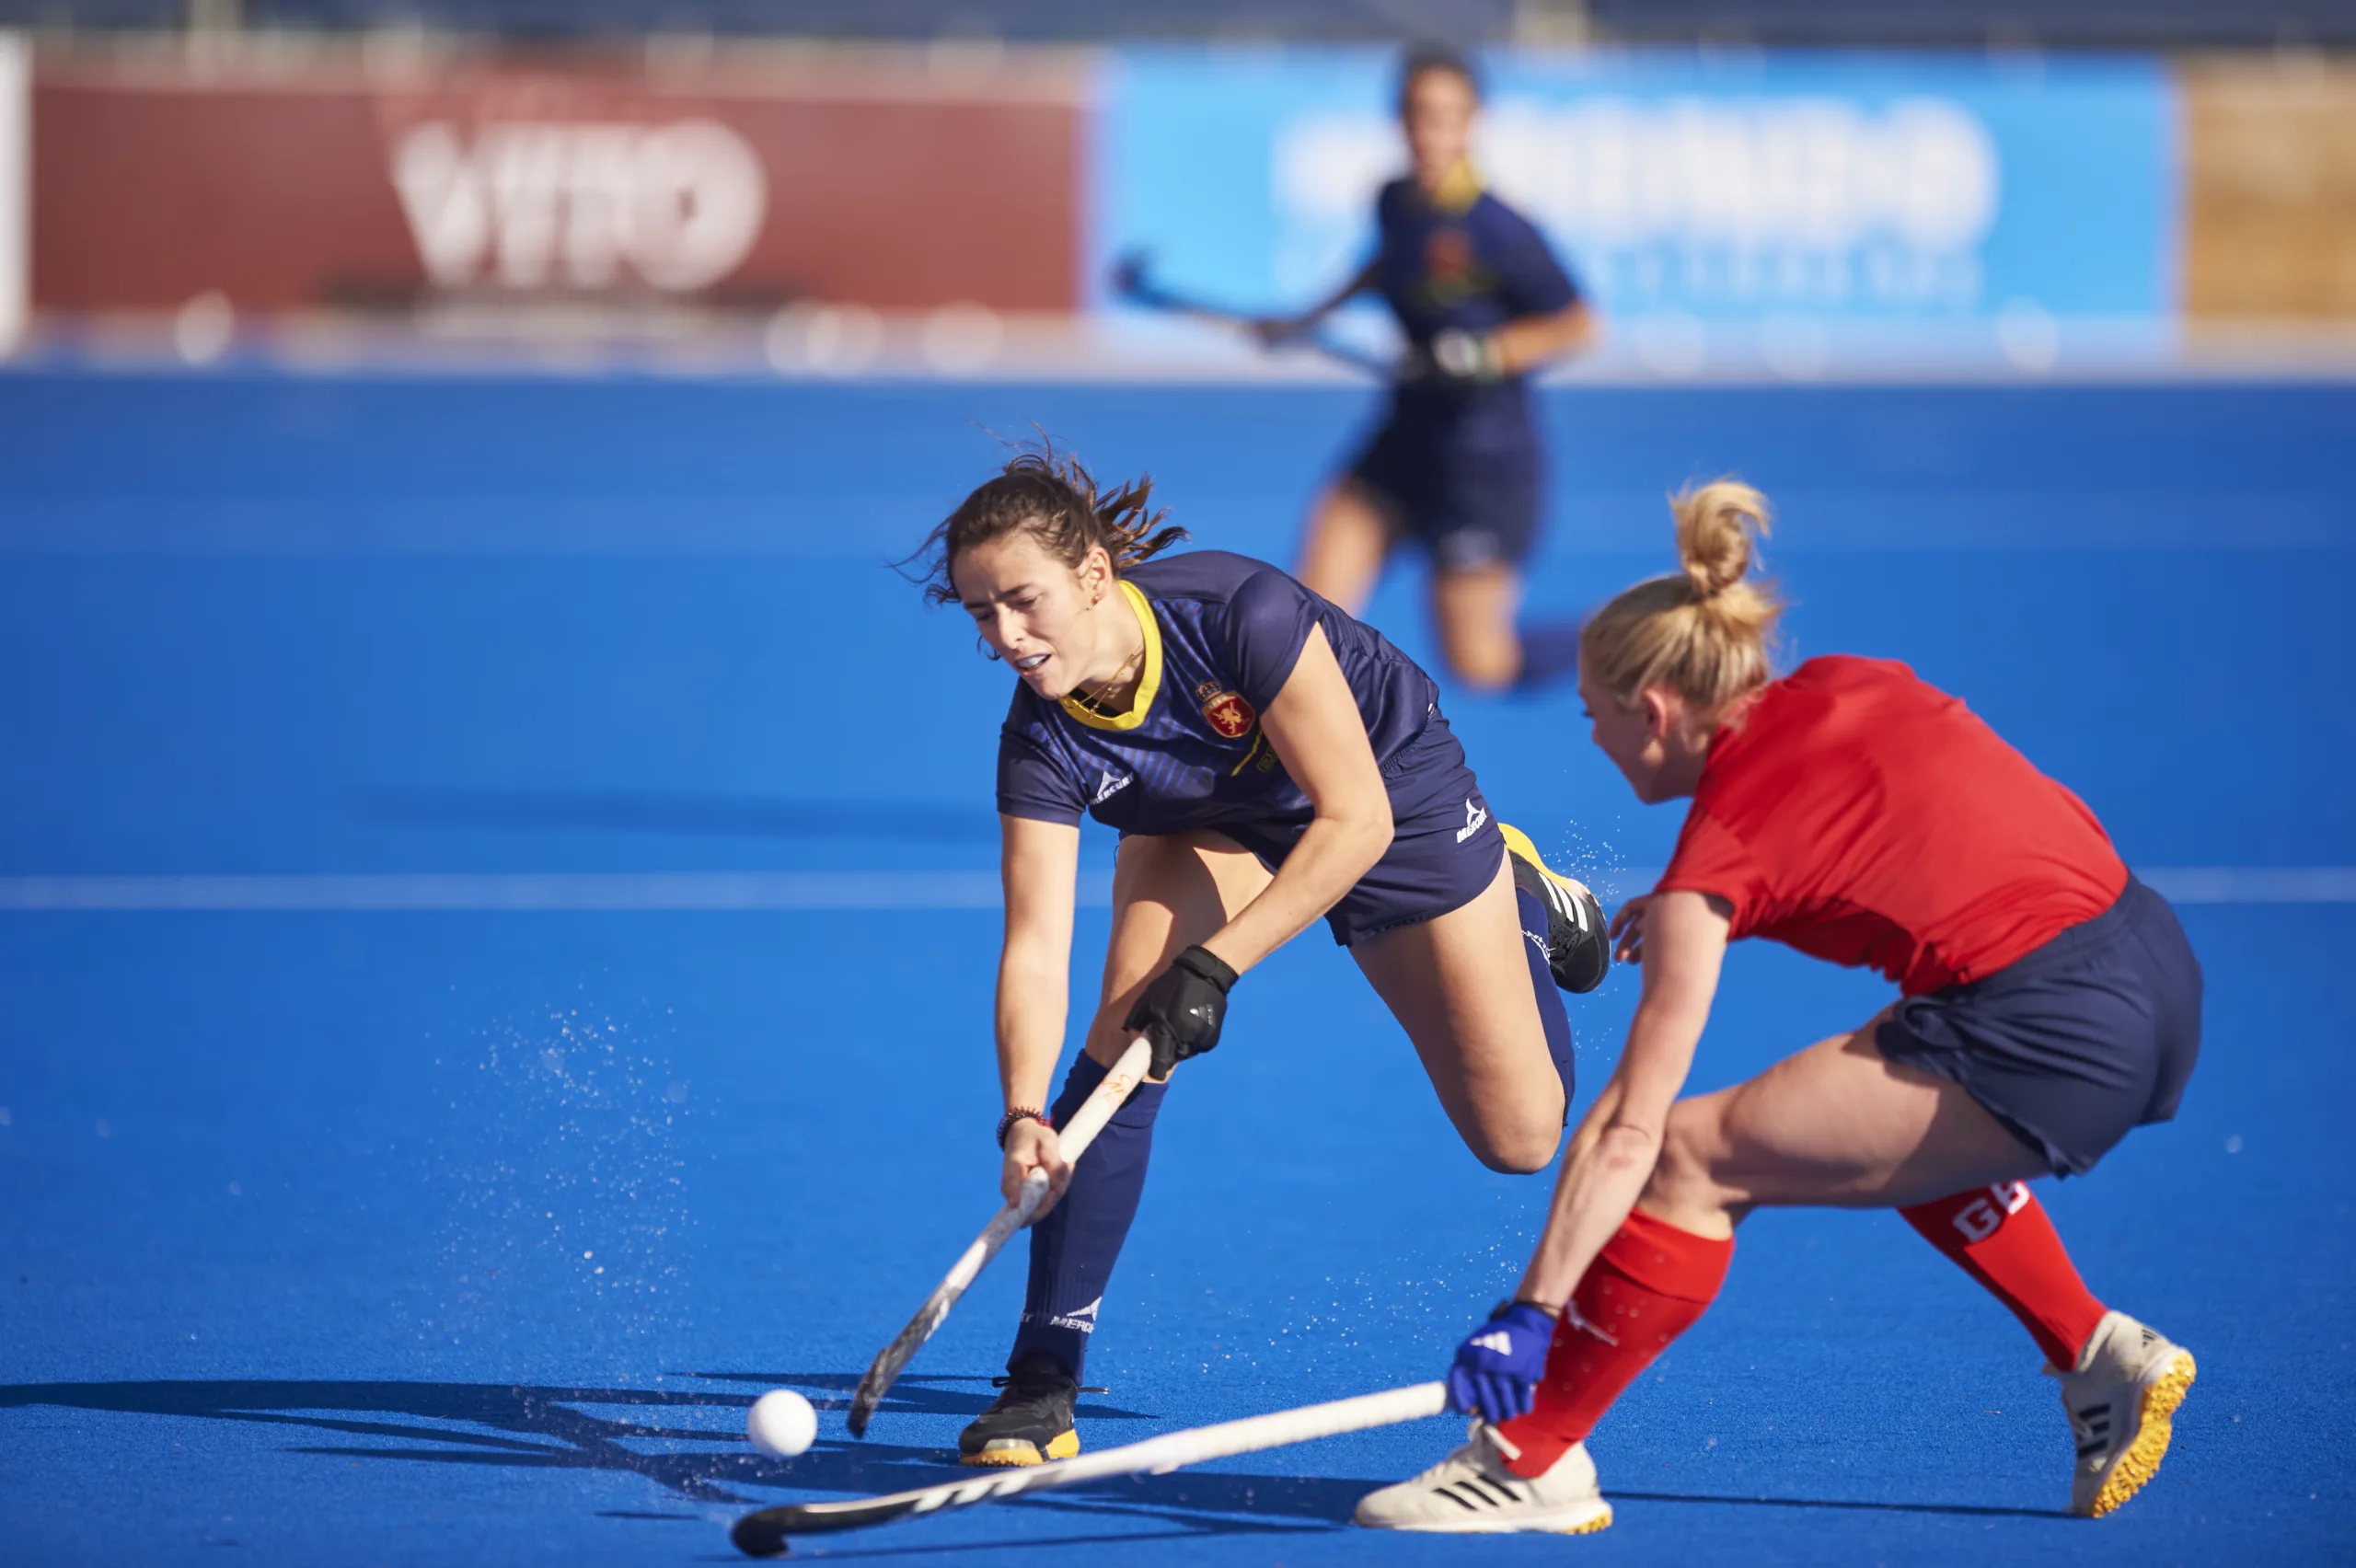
(1094, 701)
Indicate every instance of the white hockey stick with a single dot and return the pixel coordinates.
(1074, 1139)
(763, 1534)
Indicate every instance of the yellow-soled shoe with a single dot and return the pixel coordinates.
(1029, 1422)
(1018, 1451)
(2122, 1400)
(1578, 952)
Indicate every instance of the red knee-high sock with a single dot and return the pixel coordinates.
(1648, 1285)
(2002, 1238)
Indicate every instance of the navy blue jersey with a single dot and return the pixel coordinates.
(1463, 262)
(1222, 633)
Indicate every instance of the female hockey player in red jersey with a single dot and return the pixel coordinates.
(2049, 1003)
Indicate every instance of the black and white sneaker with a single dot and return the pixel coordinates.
(1578, 952)
(1472, 1492)
(1029, 1422)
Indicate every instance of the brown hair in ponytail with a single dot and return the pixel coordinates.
(1705, 632)
(1057, 502)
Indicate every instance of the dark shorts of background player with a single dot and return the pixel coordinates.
(1445, 846)
(1471, 507)
(2076, 1042)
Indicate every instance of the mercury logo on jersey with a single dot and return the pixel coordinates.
(1111, 785)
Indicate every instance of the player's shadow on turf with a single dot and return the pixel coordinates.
(1967, 1510)
(545, 1427)
(554, 1427)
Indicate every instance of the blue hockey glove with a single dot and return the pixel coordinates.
(1499, 1364)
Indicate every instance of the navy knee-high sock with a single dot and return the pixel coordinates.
(1073, 1248)
(1551, 1011)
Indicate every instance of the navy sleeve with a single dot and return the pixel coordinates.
(1030, 782)
(1268, 619)
(1532, 282)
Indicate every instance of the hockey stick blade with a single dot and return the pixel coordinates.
(1074, 1137)
(765, 1534)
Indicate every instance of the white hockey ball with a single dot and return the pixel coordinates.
(781, 1423)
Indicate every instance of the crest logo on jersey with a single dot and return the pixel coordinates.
(1226, 711)
(1447, 257)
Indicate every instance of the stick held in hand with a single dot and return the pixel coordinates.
(1074, 1139)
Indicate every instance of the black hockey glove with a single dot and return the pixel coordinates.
(1181, 1011)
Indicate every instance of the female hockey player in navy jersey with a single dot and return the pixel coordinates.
(1267, 760)
(1455, 467)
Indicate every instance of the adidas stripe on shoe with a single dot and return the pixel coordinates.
(1472, 1492)
(1578, 950)
(2122, 1400)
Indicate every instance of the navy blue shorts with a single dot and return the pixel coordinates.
(1445, 846)
(1471, 507)
(2077, 1041)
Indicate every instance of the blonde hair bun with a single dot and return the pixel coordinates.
(1703, 631)
(1715, 525)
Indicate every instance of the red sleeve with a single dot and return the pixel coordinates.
(1710, 859)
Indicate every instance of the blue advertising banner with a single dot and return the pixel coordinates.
(1902, 190)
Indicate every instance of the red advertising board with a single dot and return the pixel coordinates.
(337, 185)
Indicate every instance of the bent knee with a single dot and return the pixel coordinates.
(1522, 1148)
(1107, 1037)
(1685, 1173)
(1485, 666)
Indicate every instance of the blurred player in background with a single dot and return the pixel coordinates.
(1456, 468)
(1268, 761)
(2048, 1004)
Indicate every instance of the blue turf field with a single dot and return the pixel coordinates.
(297, 1210)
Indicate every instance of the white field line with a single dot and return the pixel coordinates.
(2254, 885)
(530, 891)
(753, 892)
(2178, 884)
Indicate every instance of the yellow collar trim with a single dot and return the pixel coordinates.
(1460, 190)
(1149, 684)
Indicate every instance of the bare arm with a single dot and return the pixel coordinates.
(1681, 939)
(1532, 343)
(1318, 733)
(1038, 863)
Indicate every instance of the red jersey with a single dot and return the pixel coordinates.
(1861, 815)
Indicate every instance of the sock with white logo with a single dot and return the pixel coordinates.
(2002, 1237)
(1649, 1285)
(1072, 1250)
(1551, 1011)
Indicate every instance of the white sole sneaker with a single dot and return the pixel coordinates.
(1472, 1492)
(2122, 1400)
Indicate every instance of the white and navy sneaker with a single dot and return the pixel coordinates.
(2121, 1399)
(1578, 951)
(1472, 1492)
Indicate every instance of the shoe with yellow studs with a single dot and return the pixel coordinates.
(1029, 1422)
(2122, 1400)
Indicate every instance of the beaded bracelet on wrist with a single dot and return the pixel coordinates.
(1020, 1114)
